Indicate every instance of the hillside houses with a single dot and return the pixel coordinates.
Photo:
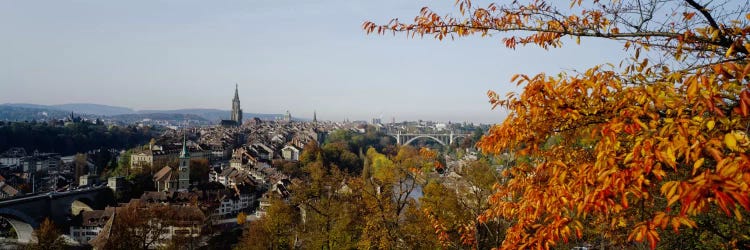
(157, 156)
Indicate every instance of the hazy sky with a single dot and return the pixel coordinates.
(285, 55)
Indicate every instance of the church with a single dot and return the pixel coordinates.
(171, 179)
(236, 119)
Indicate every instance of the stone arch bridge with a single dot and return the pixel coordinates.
(443, 139)
(28, 212)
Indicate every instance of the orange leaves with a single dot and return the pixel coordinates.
(692, 89)
(669, 190)
(659, 141)
(510, 42)
(645, 231)
(662, 220)
(671, 138)
(688, 15)
(438, 226)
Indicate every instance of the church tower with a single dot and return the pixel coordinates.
(236, 110)
(184, 169)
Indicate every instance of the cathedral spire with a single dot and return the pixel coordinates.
(236, 110)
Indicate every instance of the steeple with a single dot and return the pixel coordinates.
(315, 116)
(236, 110)
(183, 181)
(184, 153)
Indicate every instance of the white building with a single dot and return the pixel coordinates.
(91, 224)
(290, 152)
(232, 205)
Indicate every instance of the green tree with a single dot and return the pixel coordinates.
(123, 165)
(454, 205)
(330, 218)
(387, 196)
(80, 164)
(199, 169)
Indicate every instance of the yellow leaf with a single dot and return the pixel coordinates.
(730, 141)
(715, 35)
(698, 164)
(710, 125)
(730, 51)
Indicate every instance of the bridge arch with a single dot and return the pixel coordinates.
(396, 138)
(21, 223)
(425, 136)
(81, 204)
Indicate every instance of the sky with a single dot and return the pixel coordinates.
(301, 56)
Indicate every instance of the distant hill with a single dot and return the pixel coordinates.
(130, 118)
(27, 111)
(84, 108)
(208, 114)
(213, 115)
(95, 109)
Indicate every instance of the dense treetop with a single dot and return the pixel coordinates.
(71, 138)
(633, 152)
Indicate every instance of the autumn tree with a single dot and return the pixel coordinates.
(329, 210)
(647, 148)
(388, 195)
(275, 230)
(454, 203)
(48, 237)
(80, 165)
(137, 225)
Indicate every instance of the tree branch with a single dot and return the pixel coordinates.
(723, 40)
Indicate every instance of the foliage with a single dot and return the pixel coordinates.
(292, 169)
(334, 153)
(361, 141)
(331, 208)
(136, 185)
(275, 230)
(80, 165)
(48, 237)
(647, 149)
(453, 206)
(387, 196)
(241, 218)
(70, 139)
(137, 225)
(122, 166)
(199, 169)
